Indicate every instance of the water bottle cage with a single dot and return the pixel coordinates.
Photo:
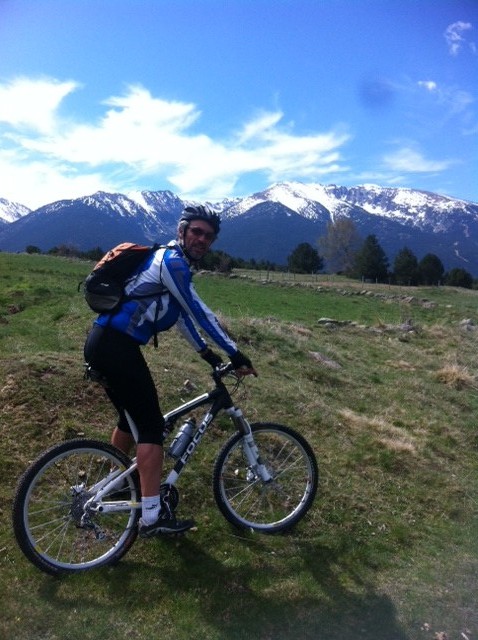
(182, 439)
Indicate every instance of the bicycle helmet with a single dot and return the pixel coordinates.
(201, 212)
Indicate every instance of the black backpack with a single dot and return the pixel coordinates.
(104, 287)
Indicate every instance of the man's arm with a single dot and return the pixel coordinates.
(177, 278)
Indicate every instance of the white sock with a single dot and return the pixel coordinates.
(150, 507)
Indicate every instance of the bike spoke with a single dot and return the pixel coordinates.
(56, 522)
(275, 504)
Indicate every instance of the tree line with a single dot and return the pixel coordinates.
(213, 261)
(340, 250)
(343, 251)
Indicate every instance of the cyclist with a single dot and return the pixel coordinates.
(113, 349)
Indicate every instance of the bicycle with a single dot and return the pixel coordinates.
(77, 506)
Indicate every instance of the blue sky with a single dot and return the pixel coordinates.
(221, 98)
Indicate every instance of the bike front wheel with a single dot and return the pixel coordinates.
(248, 502)
(55, 527)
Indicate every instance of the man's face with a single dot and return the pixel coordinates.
(197, 238)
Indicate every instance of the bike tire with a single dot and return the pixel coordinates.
(48, 506)
(276, 506)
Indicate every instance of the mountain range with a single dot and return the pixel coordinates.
(267, 225)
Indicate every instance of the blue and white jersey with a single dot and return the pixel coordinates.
(173, 301)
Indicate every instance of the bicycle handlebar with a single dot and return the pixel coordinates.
(227, 368)
(222, 370)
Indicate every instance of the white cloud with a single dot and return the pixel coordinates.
(453, 99)
(259, 126)
(429, 85)
(34, 183)
(455, 37)
(139, 129)
(32, 103)
(140, 138)
(260, 146)
(410, 160)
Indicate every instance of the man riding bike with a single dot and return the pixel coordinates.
(166, 298)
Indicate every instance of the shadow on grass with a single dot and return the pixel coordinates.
(244, 602)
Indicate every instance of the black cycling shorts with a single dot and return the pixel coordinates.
(130, 386)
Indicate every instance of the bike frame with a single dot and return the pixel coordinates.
(219, 399)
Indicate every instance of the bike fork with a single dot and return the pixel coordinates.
(249, 445)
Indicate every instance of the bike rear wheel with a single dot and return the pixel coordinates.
(248, 502)
(54, 529)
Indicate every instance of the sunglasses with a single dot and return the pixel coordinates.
(198, 233)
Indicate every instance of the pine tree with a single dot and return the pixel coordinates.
(405, 267)
(431, 269)
(371, 263)
(304, 259)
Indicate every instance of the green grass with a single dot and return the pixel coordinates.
(389, 551)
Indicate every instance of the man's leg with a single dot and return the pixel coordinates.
(150, 467)
(154, 520)
(122, 440)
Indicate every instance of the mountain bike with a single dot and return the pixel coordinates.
(77, 505)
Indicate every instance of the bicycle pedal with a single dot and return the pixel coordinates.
(180, 534)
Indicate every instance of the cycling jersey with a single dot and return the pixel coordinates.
(166, 297)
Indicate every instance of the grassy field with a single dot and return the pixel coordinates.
(386, 392)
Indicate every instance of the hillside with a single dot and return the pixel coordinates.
(381, 382)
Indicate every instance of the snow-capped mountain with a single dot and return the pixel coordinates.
(266, 225)
(407, 206)
(288, 213)
(98, 220)
(309, 201)
(11, 211)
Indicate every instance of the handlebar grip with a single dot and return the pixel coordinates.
(222, 370)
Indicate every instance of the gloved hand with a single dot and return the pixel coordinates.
(239, 360)
(211, 358)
